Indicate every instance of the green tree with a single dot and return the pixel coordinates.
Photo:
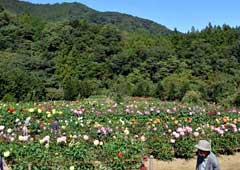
(70, 88)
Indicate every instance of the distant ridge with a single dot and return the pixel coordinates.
(56, 12)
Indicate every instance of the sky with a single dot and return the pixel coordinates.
(180, 14)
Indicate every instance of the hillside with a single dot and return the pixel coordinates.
(70, 59)
(65, 11)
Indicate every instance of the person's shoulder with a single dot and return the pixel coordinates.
(212, 155)
(213, 158)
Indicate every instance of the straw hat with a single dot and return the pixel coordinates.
(203, 145)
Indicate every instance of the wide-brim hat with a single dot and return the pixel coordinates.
(203, 145)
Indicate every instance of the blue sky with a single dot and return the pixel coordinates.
(182, 14)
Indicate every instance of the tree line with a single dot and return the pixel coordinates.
(71, 59)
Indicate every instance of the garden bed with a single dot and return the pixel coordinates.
(117, 135)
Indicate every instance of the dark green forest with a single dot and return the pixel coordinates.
(62, 55)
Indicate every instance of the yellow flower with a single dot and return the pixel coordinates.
(97, 125)
(20, 138)
(218, 121)
(6, 154)
(39, 111)
(31, 110)
(175, 122)
(96, 142)
(53, 111)
(126, 131)
(47, 145)
(71, 168)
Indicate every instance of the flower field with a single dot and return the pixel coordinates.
(100, 134)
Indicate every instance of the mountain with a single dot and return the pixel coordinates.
(75, 10)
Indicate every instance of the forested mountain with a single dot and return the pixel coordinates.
(67, 11)
(74, 58)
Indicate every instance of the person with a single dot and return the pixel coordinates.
(55, 126)
(206, 160)
(25, 131)
(3, 165)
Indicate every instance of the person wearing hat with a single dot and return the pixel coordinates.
(206, 160)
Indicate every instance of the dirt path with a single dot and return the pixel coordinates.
(231, 162)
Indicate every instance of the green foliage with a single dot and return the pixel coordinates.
(159, 93)
(184, 147)
(72, 58)
(54, 94)
(175, 86)
(144, 88)
(161, 149)
(129, 151)
(1, 8)
(9, 98)
(71, 89)
(222, 88)
(129, 137)
(120, 88)
(88, 88)
(224, 145)
(22, 85)
(192, 97)
(236, 100)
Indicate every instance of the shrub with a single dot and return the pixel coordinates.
(54, 94)
(161, 149)
(221, 88)
(175, 86)
(236, 100)
(88, 88)
(159, 90)
(9, 98)
(120, 88)
(144, 88)
(184, 148)
(71, 89)
(192, 97)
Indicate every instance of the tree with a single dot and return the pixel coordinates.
(88, 87)
(144, 88)
(70, 88)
